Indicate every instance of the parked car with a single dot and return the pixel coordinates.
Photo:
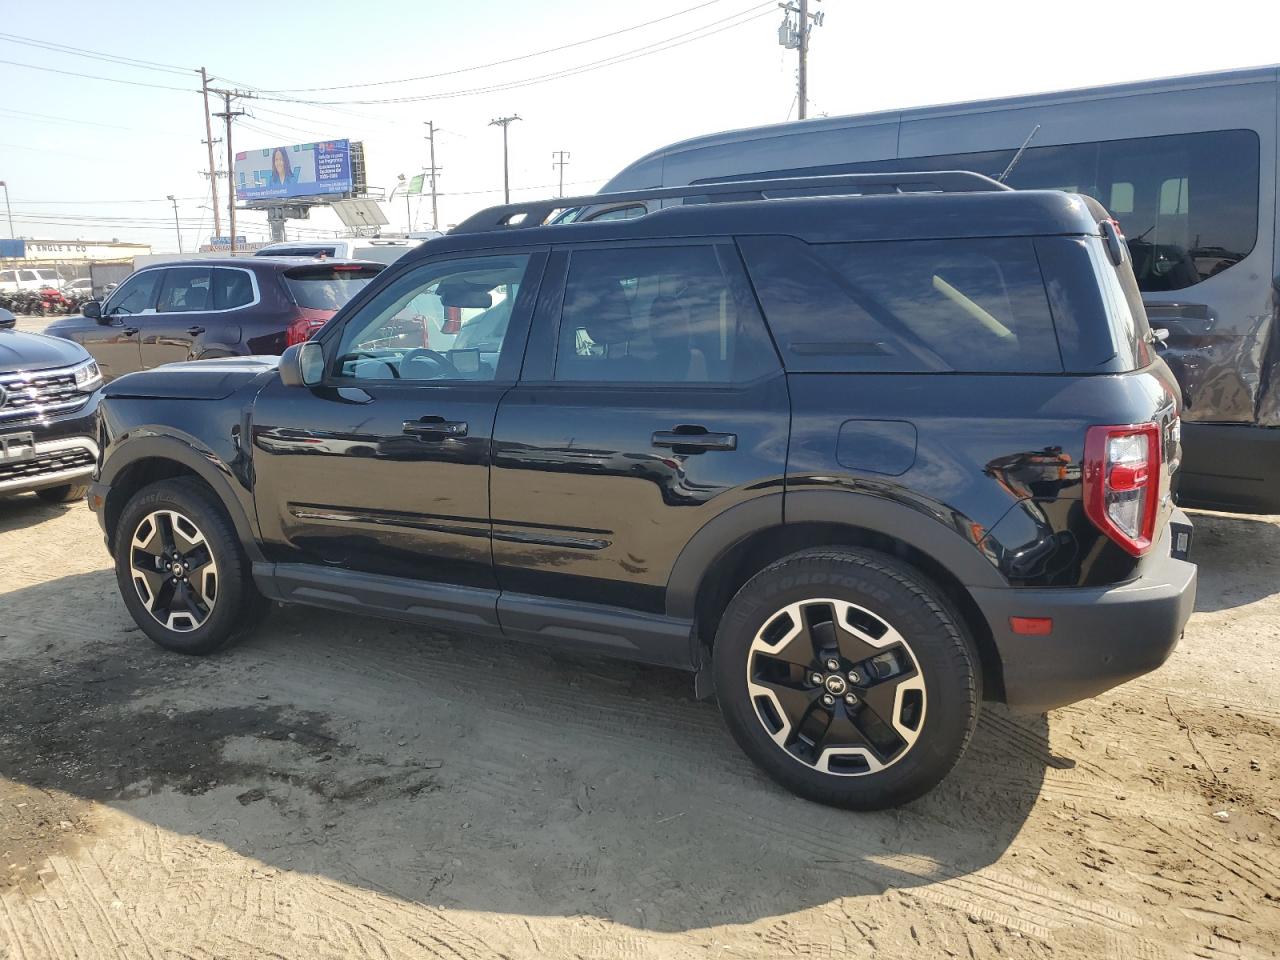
(28, 278)
(356, 248)
(212, 308)
(856, 462)
(48, 404)
(80, 287)
(1188, 165)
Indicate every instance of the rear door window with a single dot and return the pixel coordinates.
(186, 290)
(964, 306)
(669, 314)
(327, 286)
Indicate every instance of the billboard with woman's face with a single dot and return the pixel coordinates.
(300, 170)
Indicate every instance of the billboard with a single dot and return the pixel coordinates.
(299, 170)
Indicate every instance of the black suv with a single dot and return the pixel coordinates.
(857, 462)
(47, 404)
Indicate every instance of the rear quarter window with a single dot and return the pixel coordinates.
(913, 306)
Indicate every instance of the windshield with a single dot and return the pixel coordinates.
(328, 287)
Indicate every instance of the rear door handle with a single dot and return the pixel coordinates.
(688, 438)
(430, 428)
(129, 331)
(195, 331)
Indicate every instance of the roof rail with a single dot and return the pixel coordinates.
(534, 213)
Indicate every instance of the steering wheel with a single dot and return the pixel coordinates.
(420, 355)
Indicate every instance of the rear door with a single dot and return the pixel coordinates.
(652, 401)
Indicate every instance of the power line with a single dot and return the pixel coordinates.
(92, 54)
(497, 63)
(659, 46)
(48, 118)
(93, 76)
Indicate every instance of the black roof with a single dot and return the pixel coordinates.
(829, 219)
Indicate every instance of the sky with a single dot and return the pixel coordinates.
(87, 157)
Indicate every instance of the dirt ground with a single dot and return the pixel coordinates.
(338, 788)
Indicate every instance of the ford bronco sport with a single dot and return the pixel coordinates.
(857, 462)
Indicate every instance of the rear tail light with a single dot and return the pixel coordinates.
(1122, 483)
(306, 324)
(452, 320)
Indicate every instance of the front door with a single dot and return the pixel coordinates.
(652, 402)
(384, 468)
(114, 340)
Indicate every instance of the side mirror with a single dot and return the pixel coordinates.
(92, 309)
(7, 319)
(302, 365)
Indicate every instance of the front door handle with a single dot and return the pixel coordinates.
(195, 331)
(431, 428)
(691, 438)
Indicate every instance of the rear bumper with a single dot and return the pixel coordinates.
(1101, 636)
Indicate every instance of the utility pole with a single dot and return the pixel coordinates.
(794, 35)
(505, 122)
(561, 158)
(209, 142)
(228, 115)
(8, 209)
(433, 170)
(176, 227)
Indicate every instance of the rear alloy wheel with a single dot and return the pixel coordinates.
(181, 569)
(845, 675)
(174, 573)
(836, 687)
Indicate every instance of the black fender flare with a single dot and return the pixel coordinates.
(203, 463)
(920, 530)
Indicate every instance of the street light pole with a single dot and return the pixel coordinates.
(176, 228)
(8, 209)
(505, 122)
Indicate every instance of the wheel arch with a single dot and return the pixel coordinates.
(147, 460)
(730, 550)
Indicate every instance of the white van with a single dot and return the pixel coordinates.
(353, 248)
(28, 278)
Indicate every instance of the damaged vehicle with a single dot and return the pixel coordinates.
(1188, 168)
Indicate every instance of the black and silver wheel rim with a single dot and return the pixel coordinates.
(836, 687)
(173, 570)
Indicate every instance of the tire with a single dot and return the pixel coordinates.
(67, 493)
(883, 747)
(217, 600)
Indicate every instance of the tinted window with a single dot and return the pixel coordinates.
(186, 289)
(441, 321)
(676, 314)
(136, 294)
(1188, 203)
(327, 287)
(921, 305)
(231, 289)
(30, 275)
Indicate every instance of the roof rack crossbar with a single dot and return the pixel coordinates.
(534, 213)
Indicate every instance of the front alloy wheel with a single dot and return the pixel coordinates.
(173, 570)
(836, 687)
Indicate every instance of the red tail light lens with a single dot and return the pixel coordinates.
(307, 323)
(1122, 483)
(452, 320)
